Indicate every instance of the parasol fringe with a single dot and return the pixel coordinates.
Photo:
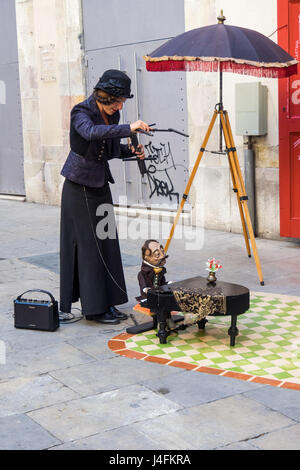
(278, 70)
(148, 58)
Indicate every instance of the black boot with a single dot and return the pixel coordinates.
(118, 314)
(107, 317)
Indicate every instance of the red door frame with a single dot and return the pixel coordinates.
(289, 128)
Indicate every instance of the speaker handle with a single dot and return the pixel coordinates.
(38, 290)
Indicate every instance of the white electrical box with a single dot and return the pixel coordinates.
(251, 109)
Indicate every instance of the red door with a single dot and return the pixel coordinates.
(289, 122)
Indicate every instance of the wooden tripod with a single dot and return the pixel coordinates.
(237, 180)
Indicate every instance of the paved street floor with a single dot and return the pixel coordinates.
(68, 390)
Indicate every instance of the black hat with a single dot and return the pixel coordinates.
(115, 83)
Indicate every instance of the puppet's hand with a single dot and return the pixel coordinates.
(145, 290)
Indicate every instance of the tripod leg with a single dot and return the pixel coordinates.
(235, 186)
(240, 209)
(191, 178)
(240, 187)
(234, 153)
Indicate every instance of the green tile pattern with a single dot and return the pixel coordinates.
(268, 344)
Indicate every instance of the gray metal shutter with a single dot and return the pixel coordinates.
(117, 34)
(11, 141)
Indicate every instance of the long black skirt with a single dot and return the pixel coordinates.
(90, 260)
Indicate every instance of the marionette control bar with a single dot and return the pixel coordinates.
(135, 143)
(161, 130)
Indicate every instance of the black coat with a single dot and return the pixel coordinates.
(92, 144)
(90, 267)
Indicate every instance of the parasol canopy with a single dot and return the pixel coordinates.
(225, 48)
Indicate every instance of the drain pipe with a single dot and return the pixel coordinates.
(249, 177)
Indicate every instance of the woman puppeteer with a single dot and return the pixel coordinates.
(91, 266)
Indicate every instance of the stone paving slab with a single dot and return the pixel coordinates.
(283, 439)
(48, 261)
(33, 361)
(67, 332)
(238, 446)
(84, 329)
(190, 389)
(285, 401)
(51, 262)
(215, 424)
(123, 438)
(18, 277)
(109, 374)
(95, 345)
(21, 246)
(19, 432)
(28, 393)
(98, 413)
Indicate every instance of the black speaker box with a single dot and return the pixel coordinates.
(36, 314)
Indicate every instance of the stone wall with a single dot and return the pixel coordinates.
(213, 201)
(52, 81)
(52, 78)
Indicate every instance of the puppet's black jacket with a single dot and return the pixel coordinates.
(92, 144)
(146, 279)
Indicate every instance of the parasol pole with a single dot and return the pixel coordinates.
(221, 18)
(221, 108)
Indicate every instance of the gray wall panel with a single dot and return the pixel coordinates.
(116, 22)
(158, 97)
(8, 36)
(11, 142)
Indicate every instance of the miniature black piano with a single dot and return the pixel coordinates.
(199, 297)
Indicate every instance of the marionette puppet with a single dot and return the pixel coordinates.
(152, 273)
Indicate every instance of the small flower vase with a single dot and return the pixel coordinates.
(211, 277)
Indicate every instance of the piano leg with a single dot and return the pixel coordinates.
(233, 330)
(163, 333)
(201, 323)
(163, 330)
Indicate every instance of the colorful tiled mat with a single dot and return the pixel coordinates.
(267, 349)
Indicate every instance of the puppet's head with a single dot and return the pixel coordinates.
(153, 253)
